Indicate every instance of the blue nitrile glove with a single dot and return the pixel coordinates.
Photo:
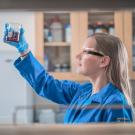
(21, 45)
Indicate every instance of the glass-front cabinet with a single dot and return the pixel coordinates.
(58, 42)
(129, 40)
(101, 21)
(119, 23)
(60, 36)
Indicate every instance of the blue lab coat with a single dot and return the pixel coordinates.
(108, 105)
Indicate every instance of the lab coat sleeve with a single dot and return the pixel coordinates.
(45, 85)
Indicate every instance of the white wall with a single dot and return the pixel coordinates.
(27, 19)
(14, 91)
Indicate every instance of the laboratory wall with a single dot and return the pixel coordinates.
(14, 90)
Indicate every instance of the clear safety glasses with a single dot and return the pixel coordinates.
(88, 51)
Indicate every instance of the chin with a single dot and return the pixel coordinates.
(79, 71)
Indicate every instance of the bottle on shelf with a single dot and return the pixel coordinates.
(67, 33)
(65, 67)
(111, 29)
(49, 36)
(46, 32)
(100, 27)
(57, 67)
(91, 29)
(46, 60)
(56, 29)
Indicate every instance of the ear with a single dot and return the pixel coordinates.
(104, 61)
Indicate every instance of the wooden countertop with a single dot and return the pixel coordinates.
(85, 129)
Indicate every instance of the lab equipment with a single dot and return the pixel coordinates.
(21, 44)
(47, 116)
(13, 32)
(56, 30)
(46, 62)
(68, 33)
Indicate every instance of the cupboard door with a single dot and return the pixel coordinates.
(60, 53)
(129, 34)
(106, 21)
(57, 41)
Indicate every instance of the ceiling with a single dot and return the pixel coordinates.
(65, 4)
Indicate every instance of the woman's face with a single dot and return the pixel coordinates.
(88, 64)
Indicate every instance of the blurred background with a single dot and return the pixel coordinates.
(55, 33)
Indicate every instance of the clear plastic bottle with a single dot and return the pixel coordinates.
(46, 60)
(100, 27)
(56, 30)
(46, 33)
(47, 116)
(49, 37)
(57, 67)
(90, 29)
(68, 33)
(111, 28)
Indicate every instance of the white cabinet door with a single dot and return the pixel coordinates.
(13, 90)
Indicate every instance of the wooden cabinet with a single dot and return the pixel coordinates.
(77, 30)
(79, 22)
(129, 38)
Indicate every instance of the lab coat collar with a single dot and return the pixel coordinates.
(104, 93)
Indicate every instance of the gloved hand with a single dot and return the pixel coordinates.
(21, 45)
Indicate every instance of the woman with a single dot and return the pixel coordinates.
(105, 98)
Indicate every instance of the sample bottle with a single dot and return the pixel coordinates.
(46, 33)
(111, 29)
(90, 29)
(68, 33)
(100, 27)
(13, 32)
(49, 36)
(56, 30)
(46, 60)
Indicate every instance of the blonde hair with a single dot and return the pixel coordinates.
(117, 71)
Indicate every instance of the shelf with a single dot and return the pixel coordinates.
(101, 12)
(69, 76)
(56, 44)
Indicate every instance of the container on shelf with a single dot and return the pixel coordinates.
(67, 33)
(47, 116)
(100, 27)
(46, 32)
(56, 29)
(49, 36)
(57, 68)
(65, 67)
(111, 29)
(46, 60)
(91, 29)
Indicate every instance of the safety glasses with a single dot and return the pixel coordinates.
(88, 51)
